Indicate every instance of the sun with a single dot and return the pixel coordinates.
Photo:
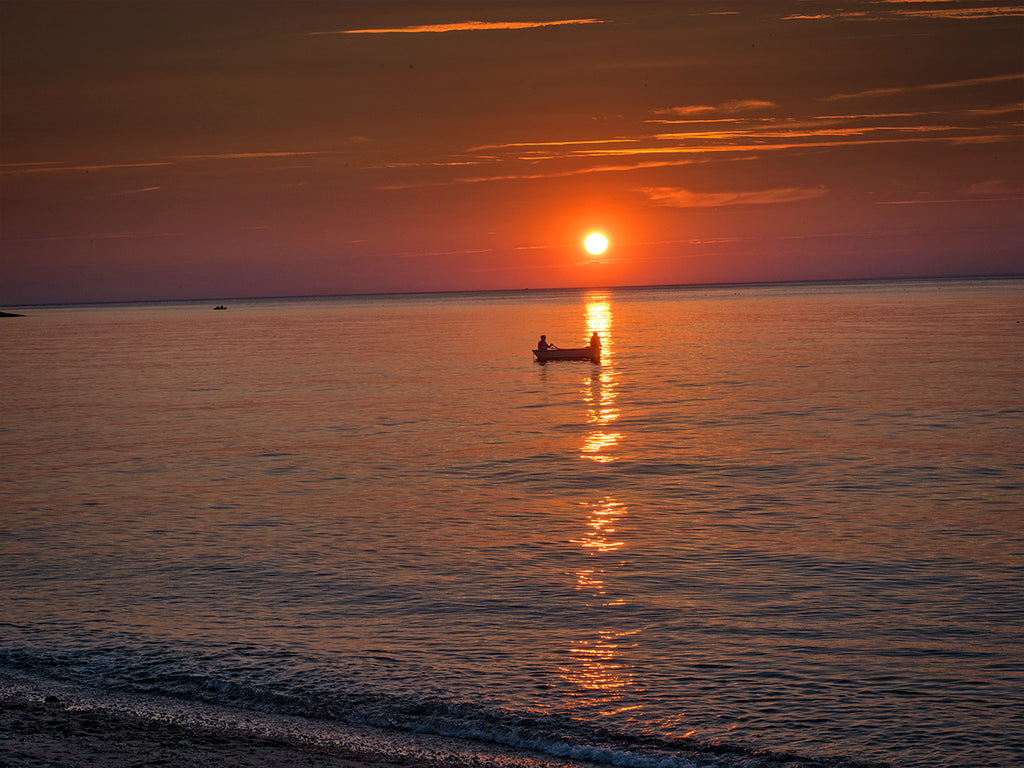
(595, 243)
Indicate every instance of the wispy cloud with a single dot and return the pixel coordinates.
(988, 12)
(740, 137)
(422, 254)
(683, 198)
(766, 139)
(729, 107)
(905, 9)
(930, 87)
(992, 191)
(797, 130)
(95, 236)
(1007, 109)
(25, 168)
(540, 175)
(997, 188)
(128, 192)
(10, 167)
(820, 16)
(461, 26)
(566, 143)
(245, 155)
(59, 167)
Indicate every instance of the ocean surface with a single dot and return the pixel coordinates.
(776, 525)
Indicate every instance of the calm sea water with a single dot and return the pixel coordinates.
(775, 520)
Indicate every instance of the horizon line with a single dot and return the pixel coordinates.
(627, 287)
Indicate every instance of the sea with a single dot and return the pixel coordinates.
(775, 525)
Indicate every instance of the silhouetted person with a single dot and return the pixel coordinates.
(595, 341)
(543, 343)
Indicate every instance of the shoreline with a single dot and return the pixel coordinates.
(39, 728)
(33, 735)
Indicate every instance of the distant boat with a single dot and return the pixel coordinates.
(220, 307)
(593, 354)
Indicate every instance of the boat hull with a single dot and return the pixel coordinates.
(581, 353)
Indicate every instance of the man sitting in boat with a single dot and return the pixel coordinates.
(543, 343)
(595, 341)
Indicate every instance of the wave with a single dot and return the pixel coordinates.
(152, 688)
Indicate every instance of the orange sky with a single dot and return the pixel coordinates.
(177, 149)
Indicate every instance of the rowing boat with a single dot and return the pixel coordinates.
(593, 354)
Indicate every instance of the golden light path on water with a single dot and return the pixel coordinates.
(600, 393)
(599, 674)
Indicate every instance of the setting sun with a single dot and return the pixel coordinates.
(595, 243)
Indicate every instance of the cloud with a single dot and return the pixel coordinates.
(742, 135)
(756, 134)
(676, 197)
(701, 140)
(538, 176)
(422, 254)
(820, 16)
(462, 26)
(245, 155)
(994, 188)
(990, 12)
(931, 87)
(128, 192)
(568, 143)
(16, 167)
(787, 139)
(880, 13)
(992, 111)
(816, 130)
(867, 94)
(729, 107)
(94, 236)
(993, 191)
(58, 167)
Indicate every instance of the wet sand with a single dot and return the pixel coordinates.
(39, 730)
(33, 735)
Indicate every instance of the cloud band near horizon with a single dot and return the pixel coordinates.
(683, 198)
(462, 26)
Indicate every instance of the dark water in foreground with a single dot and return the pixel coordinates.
(782, 519)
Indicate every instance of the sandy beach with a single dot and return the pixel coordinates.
(33, 735)
(40, 729)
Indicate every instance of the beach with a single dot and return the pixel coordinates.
(39, 729)
(36, 734)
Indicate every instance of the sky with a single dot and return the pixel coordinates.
(173, 150)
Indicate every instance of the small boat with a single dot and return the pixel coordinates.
(593, 354)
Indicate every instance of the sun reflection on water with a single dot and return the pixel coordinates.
(596, 442)
(599, 312)
(598, 673)
(599, 534)
(599, 392)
